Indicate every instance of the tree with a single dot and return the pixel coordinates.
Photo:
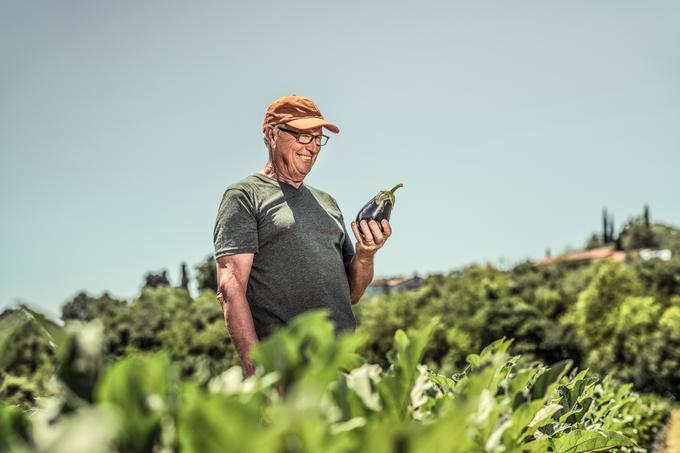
(636, 235)
(86, 308)
(153, 280)
(660, 278)
(184, 277)
(597, 306)
(595, 241)
(206, 275)
(646, 216)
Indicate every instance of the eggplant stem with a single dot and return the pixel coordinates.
(396, 187)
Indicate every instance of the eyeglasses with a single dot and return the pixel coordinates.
(304, 139)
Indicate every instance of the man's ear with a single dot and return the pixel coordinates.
(269, 135)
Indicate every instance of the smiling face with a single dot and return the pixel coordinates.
(292, 160)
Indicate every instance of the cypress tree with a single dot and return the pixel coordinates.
(184, 277)
(646, 215)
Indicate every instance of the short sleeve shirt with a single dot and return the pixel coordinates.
(300, 244)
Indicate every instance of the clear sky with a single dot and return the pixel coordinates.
(510, 123)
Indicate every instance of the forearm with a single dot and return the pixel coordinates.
(359, 275)
(239, 322)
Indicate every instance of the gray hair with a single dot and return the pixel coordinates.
(277, 130)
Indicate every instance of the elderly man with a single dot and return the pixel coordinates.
(281, 247)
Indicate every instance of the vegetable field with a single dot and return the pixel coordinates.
(314, 393)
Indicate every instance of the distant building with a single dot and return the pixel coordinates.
(663, 255)
(602, 253)
(393, 285)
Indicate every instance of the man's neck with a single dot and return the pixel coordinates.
(270, 171)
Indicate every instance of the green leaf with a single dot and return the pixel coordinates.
(82, 359)
(216, 423)
(395, 386)
(474, 360)
(363, 382)
(307, 353)
(444, 382)
(53, 332)
(547, 381)
(585, 441)
(520, 380)
(140, 389)
(14, 428)
(537, 446)
(517, 387)
(520, 418)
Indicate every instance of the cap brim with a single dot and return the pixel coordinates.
(313, 123)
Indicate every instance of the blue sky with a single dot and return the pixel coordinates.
(511, 124)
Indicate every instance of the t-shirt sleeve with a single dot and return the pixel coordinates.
(236, 225)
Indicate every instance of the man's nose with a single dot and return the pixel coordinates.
(313, 147)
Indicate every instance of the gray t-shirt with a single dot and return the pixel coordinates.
(300, 244)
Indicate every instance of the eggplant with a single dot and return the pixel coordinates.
(380, 207)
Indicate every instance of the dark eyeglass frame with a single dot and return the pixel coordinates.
(320, 140)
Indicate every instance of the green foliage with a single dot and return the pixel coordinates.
(595, 241)
(639, 234)
(475, 307)
(190, 329)
(82, 360)
(154, 280)
(27, 354)
(597, 306)
(319, 398)
(610, 317)
(142, 390)
(307, 352)
(14, 428)
(206, 275)
(211, 422)
(660, 278)
(86, 308)
(160, 371)
(395, 386)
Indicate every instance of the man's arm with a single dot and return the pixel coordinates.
(360, 268)
(359, 275)
(233, 272)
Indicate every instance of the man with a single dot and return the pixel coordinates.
(281, 247)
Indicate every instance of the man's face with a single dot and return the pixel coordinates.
(294, 160)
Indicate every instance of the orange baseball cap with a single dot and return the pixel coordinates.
(298, 112)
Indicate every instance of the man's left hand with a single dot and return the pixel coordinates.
(373, 239)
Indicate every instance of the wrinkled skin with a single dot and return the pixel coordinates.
(286, 156)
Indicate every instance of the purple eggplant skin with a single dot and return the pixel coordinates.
(375, 211)
(379, 208)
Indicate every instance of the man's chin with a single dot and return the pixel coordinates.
(304, 172)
